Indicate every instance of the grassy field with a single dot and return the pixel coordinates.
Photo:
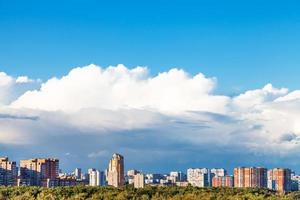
(155, 193)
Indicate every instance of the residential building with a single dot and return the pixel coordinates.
(218, 172)
(222, 181)
(250, 177)
(35, 172)
(8, 172)
(295, 184)
(178, 176)
(199, 177)
(130, 176)
(139, 180)
(96, 177)
(132, 172)
(115, 173)
(77, 173)
(153, 179)
(279, 179)
(62, 181)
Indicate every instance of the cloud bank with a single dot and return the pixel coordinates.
(93, 111)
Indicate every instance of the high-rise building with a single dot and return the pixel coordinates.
(115, 172)
(153, 179)
(139, 180)
(132, 172)
(255, 177)
(295, 184)
(199, 177)
(178, 176)
(279, 179)
(130, 176)
(222, 181)
(96, 177)
(262, 174)
(77, 173)
(8, 172)
(218, 172)
(36, 171)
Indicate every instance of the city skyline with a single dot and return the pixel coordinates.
(46, 172)
(169, 85)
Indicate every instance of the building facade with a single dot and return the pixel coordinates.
(8, 172)
(199, 177)
(250, 177)
(96, 177)
(77, 173)
(178, 176)
(218, 172)
(222, 181)
(279, 179)
(115, 172)
(38, 171)
(130, 176)
(139, 180)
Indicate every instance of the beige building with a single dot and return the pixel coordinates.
(115, 171)
(139, 181)
(38, 171)
(8, 172)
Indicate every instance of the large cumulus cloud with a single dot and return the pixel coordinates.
(93, 111)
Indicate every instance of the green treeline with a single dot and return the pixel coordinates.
(154, 193)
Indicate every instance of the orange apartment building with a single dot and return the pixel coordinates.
(279, 179)
(250, 177)
(222, 181)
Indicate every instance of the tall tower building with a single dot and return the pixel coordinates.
(96, 177)
(279, 179)
(38, 171)
(77, 173)
(250, 177)
(115, 172)
(8, 172)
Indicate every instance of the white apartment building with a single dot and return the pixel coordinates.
(199, 177)
(96, 177)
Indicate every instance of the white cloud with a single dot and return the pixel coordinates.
(24, 79)
(118, 87)
(98, 154)
(253, 98)
(11, 88)
(119, 108)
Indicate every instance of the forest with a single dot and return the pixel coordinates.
(147, 193)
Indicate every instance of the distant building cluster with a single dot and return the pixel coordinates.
(45, 172)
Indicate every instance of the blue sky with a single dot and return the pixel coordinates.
(87, 116)
(245, 44)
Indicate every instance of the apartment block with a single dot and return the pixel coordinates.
(218, 172)
(199, 177)
(139, 180)
(8, 172)
(250, 177)
(222, 181)
(279, 179)
(96, 177)
(35, 172)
